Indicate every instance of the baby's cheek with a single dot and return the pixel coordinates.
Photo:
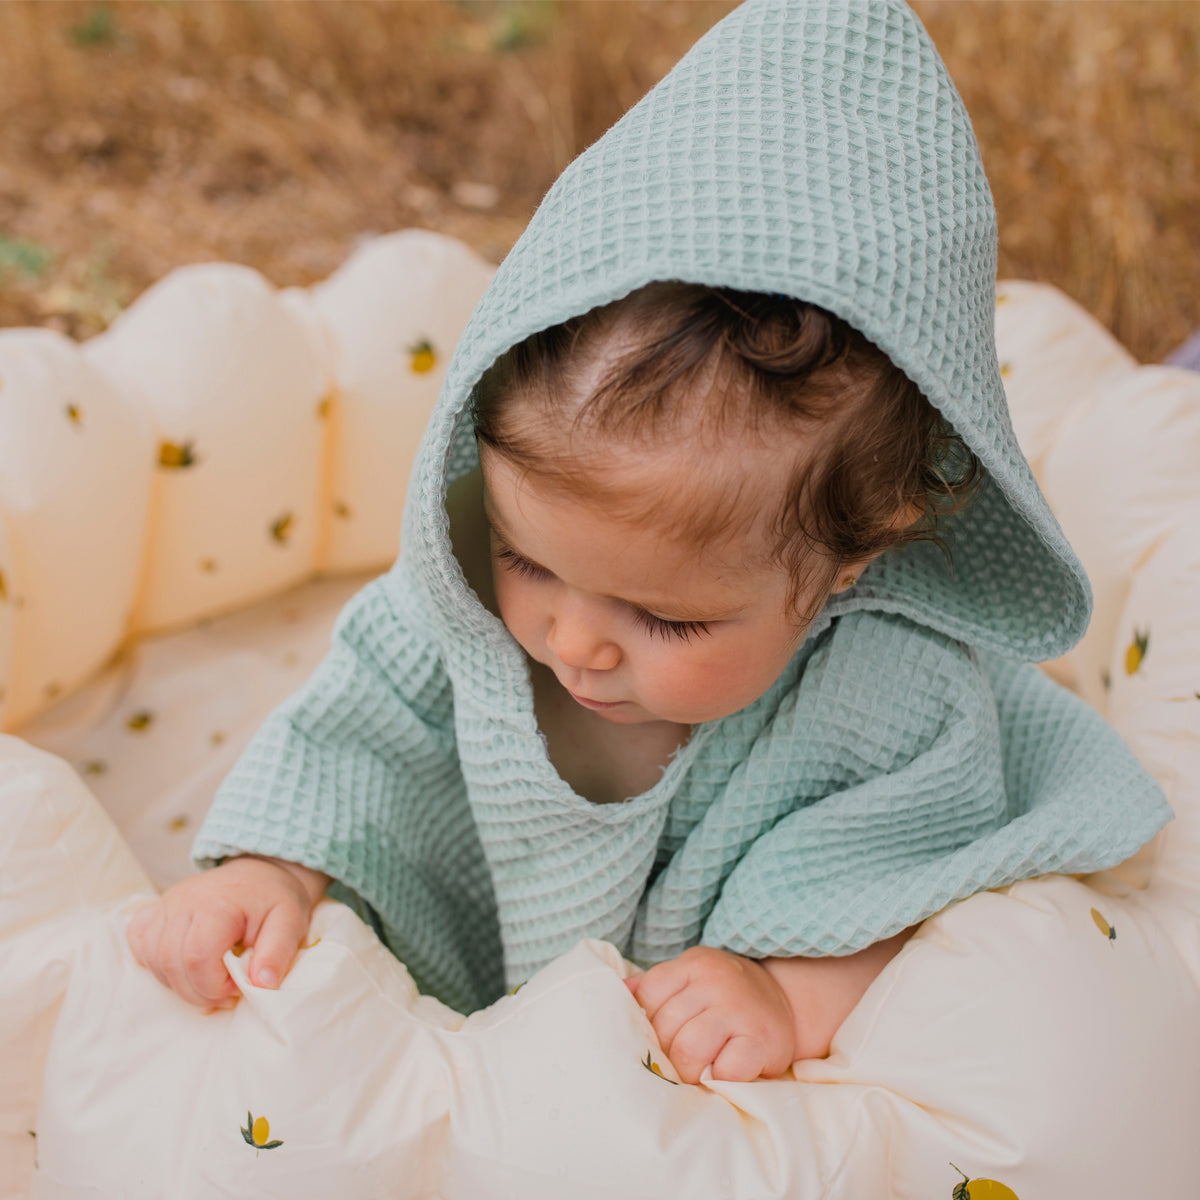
(704, 689)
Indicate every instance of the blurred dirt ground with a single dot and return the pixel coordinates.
(140, 135)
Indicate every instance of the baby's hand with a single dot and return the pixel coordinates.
(258, 902)
(711, 1007)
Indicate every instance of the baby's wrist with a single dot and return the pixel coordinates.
(784, 977)
(312, 882)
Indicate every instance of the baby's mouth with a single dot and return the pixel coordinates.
(597, 705)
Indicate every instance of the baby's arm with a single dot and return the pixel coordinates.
(748, 1018)
(261, 902)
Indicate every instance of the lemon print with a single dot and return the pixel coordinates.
(1136, 651)
(140, 720)
(3, 587)
(175, 455)
(282, 528)
(655, 1069)
(1102, 925)
(178, 824)
(257, 1132)
(422, 358)
(325, 405)
(95, 766)
(74, 414)
(342, 510)
(1005, 370)
(981, 1189)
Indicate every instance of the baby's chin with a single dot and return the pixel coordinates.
(623, 712)
(630, 712)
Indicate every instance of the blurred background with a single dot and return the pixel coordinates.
(140, 135)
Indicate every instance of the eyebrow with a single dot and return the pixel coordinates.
(680, 612)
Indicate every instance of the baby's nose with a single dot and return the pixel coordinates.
(581, 645)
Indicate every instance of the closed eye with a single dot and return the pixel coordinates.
(659, 627)
(684, 631)
(520, 566)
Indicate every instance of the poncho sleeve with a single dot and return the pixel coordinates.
(357, 775)
(905, 772)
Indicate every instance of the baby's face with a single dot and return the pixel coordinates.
(637, 625)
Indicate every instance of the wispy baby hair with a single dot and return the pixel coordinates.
(675, 361)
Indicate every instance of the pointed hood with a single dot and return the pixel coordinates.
(819, 149)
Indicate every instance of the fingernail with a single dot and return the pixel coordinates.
(266, 978)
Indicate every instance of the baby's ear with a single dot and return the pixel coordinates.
(905, 518)
(908, 516)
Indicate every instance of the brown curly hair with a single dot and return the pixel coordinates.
(678, 361)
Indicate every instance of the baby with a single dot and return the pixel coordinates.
(718, 563)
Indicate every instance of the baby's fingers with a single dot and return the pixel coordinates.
(276, 942)
(192, 953)
(697, 1044)
(743, 1059)
(655, 987)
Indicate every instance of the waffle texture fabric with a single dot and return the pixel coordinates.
(909, 755)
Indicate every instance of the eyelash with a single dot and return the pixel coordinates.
(657, 627)
(684, 631)
(520, 566)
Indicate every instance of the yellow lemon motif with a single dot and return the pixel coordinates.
(171, 454)
(282, 528)
(1136, 651)
(655, 1069)
(178, 824)
(1005, 370)
(74, 414)
(3, 587)
(1102, 925)
(422, 358)
(256, 1133)
(981, 1189)
(140, 720)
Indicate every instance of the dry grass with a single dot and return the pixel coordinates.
(138, 136)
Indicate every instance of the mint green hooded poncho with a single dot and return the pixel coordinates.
(909, 755)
